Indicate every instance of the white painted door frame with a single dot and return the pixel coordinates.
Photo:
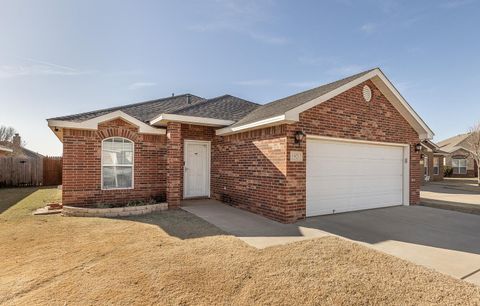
(208, 167)
(406, 160)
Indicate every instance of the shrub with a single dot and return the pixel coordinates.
(447, 171)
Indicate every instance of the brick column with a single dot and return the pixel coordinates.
(295, 187)
(174, 164)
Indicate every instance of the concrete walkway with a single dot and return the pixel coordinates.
(443, 240)
(255, 230)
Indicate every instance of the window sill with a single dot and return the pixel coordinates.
(116, 189)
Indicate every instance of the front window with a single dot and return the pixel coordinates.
(459, 166)
(436, 166)
(117, 163)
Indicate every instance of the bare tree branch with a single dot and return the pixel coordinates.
(6, 133)
(473, 145)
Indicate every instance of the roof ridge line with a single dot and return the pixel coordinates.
(115, 108)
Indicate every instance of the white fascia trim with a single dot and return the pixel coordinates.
(423, 130)
(295, 112)
(6, 149)
(92, 124)
(428, 133)
(293, 115)
(425, 146)
(255, 125)
(165, 118)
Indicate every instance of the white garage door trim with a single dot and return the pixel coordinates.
(406, 164)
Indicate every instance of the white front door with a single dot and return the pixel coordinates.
(196, 179)
(345, 176)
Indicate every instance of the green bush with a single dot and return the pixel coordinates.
(447, 171)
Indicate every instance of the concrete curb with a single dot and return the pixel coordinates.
(459, 207)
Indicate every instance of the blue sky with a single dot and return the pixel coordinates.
(64, 57)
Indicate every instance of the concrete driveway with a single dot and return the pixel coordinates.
(446, 241)
(443, 240)
(455, 194)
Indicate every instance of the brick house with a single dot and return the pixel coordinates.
(458, 156)
(432, 161)
(347, 145)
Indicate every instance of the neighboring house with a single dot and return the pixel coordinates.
(347, 145)
(4, 151)
(459, 157)
(16, 149)
(431, 164)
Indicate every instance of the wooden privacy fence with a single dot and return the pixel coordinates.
(21, 171)
(24, 171)
(52, 171)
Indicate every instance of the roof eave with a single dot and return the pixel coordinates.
(163, 119)
(57, 126)
(379, 79)
(6, 149)
(272, 121)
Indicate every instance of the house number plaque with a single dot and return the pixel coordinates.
(296, 156)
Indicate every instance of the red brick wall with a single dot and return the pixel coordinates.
(248, 171)
(348, 115)
(255, 176)
(82, 165)
(177, 134)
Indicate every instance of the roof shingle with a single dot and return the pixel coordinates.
(143, 111)
(225, 107)
(279, 107)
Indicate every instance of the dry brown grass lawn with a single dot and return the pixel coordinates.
(175, 258)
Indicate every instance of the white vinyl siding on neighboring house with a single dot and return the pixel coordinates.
(459, 165)
(436, 166)
(117, 163)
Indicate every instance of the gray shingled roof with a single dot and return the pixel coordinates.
(279, 107)
(143, 111)
(453, 143)
(225, 107)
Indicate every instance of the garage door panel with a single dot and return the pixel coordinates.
(345, 185)
(355, 167)
(345, 176)
(344, 150)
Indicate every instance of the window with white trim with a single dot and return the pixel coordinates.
(436, 166)
(117, 163)
(459, 165)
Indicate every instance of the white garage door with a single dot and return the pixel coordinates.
(347, 176)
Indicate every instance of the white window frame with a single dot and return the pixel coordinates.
(458, 167)
(124, 165)
(436, 166)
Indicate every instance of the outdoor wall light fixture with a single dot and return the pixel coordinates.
(418, 147)
(299, 136)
